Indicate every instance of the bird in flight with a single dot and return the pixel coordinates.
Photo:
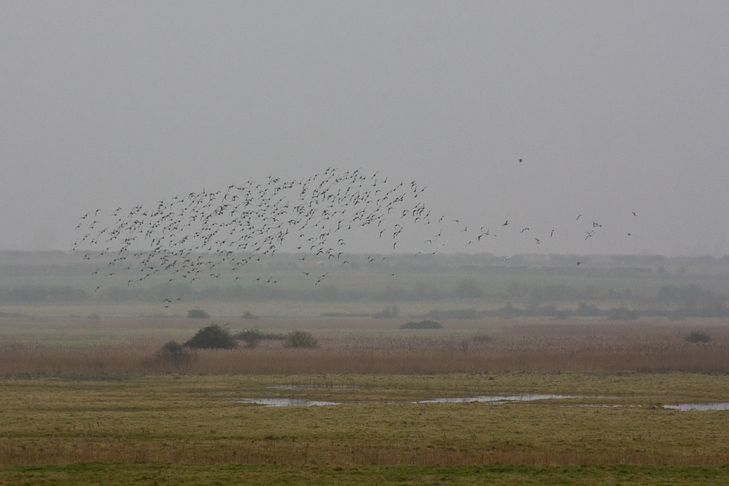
(195, 235)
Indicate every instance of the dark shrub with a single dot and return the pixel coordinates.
(301, 339)
(250, 336)
(253, 336)
(173, 348)
(698, 337)
(197, 314)
(422, 325)
(174, 352)
(212, 337)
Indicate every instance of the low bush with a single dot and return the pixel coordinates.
(422, 325)
(698, 337)
(253, 336)
(212, 337)
(301, 339)
(174, 352)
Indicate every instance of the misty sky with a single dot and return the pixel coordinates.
(613, 107)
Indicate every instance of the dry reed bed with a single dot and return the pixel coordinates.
(492, 346)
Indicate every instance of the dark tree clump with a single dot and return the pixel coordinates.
(212, 337)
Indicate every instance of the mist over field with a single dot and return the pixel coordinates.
(470, 287)
(375, 242)
(535, 113)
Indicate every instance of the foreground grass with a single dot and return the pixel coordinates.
(116, 474)
(194, 420)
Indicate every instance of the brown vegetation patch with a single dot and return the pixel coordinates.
(552, 346)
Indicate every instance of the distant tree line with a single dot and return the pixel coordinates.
(557, 299)
(32, 294)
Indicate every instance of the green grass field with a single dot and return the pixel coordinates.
(116, 474)
(189, 429)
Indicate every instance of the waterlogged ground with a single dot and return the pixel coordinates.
(144, 425)
(495, 400)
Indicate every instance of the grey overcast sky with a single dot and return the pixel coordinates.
(613, 107)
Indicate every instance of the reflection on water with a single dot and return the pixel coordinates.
(285, 402)
(310, 387)
(498, 399)
(685, 407)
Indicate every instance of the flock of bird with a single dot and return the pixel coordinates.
(196, 235)
(205, 234)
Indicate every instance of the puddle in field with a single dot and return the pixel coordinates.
(682, 407)
(498, 399)
(685, 407)
(285, 402)
(301, 402)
